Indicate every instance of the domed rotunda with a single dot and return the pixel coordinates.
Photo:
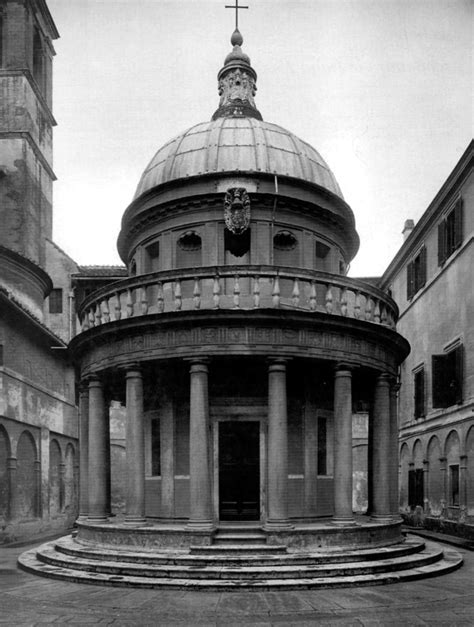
(243, 354)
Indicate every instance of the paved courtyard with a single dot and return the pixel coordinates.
(29, 600)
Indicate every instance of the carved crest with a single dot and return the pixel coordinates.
(237, 210)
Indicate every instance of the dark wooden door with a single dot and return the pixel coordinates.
(239, 470)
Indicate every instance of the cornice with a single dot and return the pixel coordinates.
(26, 135)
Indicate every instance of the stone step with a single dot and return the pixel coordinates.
(290, 570)
(239, 537)
(233, 547)
(450, 561)
(268, 555)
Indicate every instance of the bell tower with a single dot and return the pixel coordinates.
(27, 31)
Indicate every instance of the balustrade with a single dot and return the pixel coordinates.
(238, 287)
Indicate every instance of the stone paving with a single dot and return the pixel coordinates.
(29, 600)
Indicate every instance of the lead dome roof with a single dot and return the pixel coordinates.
(237, 144)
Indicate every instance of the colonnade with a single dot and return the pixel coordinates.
(94, 458)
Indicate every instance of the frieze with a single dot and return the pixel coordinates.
(260, 340)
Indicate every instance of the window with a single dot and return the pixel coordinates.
(153, 257)
(38, 60)
(450, 232)
(56, 301)
(188, 250)
(454, 485)
(447, 378)
(416, 273)
(419, 385)
(322, 257)
(237, 244)
(155, 448)
(285, 249)
(322, 446)
(415, 488)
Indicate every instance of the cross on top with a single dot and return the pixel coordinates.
(236, 6)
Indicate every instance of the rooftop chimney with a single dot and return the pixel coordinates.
(407, 229)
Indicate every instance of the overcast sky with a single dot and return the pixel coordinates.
(383, 89)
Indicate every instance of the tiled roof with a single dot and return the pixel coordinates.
(101, 271)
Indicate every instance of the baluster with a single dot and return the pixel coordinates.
(197, 293)
(144, 301)
(216, 290)
(91, 317)
(118, 306)
(236, 292)
(377, 312)
(295, 295)
(98, 315)
(105, 310)
(160, 299)
(178, 300)
(276, 291)
(256, 292)
(383, 314)
(357, 305)
(368, 308)
(344, 302)
(312, 296)
(129, 303)
(329, 299)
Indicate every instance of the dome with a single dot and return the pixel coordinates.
(237, 144)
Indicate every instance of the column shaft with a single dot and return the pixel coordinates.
(199, 470)
(277, 515)
(167, 456)
(394, 456)
(343, 446)
(83, 452)
(381, 449)
(97, 472)
(135, 445)
(12, 488)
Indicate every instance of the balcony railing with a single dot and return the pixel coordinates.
(238, 287)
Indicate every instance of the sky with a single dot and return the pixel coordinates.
(383, 89)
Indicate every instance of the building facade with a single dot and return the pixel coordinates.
(431, 280)
(38, 415)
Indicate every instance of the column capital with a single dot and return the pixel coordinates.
(342, 366)
(277, 364)
(383, 378)
(133, 371)
(94, 380)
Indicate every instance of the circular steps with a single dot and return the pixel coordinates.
(229, 567)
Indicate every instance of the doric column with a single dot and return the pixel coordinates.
(463, 483)
(83, 450)
(199, 471)
(343, 446)
(443, 467)
(394, 488)
(167, 455)
(135, 445)
(426, 491)
(381, 450)
(277, 513)
(98, 442)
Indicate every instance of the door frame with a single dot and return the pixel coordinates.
(232, 411)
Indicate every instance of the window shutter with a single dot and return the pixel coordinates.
(410, 278)
(441, 242)
(458, 373)
(422, 276)
(458, 226)
(438, 382)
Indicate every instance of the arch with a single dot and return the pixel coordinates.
(26, 477)
(469, 448)
(70, 480)
(452, 447)
(405, 458)
(5, 452)
(435, 476)
(55, 479)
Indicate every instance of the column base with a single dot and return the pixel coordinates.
(200, 525)
(82, 518)
(278, 525)
(343, 521)
(97, 519)
(135, 521)
(382, 518)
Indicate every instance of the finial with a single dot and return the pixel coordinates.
(236, 39)
(237, 79)
(236, 6)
